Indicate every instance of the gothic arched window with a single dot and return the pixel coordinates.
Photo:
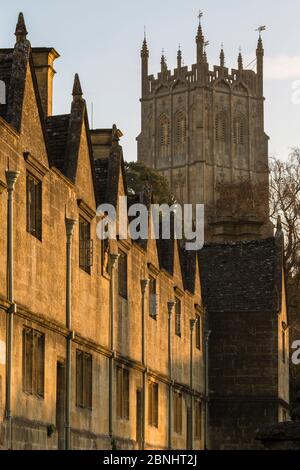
(164, 130)
(221, 126)
(180, 126)
(239, 130)
(164, 135)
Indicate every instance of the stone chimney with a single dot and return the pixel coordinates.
(43, 59)
(102, 140)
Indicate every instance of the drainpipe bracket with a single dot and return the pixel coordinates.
(12, 309)
(71, 335)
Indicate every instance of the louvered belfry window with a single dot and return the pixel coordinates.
(34, 206)
(220, 127)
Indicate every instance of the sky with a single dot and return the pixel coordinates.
(101, 41)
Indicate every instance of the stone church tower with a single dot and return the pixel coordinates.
(204, 131)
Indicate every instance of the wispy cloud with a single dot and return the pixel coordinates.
(282, 67)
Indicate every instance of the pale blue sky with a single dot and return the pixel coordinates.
(101, 41)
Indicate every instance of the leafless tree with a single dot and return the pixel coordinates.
(285, 201)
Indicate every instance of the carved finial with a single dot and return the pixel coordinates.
(179, 57)
(145, 51)
(163, 62)
(200, 36)
(240, 59)
(206, 44)
(222, 56)
(200, 41)
(21, 31)
(77, 91)
(115, 135)
(260, 29)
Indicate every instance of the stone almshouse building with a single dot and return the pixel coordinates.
(104, 345)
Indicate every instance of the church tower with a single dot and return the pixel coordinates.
(203, 130)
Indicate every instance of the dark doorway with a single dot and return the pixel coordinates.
(60, 405)
(139, 418)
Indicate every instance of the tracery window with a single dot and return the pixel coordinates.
(239, 130)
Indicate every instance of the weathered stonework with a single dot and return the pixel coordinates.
(242, 304)
(204, 131)
(57, 150)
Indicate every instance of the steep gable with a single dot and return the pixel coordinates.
(84, 178)
(32, 126)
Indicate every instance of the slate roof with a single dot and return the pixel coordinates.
(101, 172)
(57, 133)
(241, 276)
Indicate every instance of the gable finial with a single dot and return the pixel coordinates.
(179, 57)
(200, 40)
(260, 29)
(163, 60)
(115, 137)
(77, 90)
(240, 59)
(222, 56)
(145, 51)
(21, 31)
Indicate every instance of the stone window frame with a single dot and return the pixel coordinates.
(153, 274)
(33, 362)
(86, 216)
(123, 286)
(122, 392)
(84, 380)
(153, 404)
(177, 411)
(34, 205)
(164, 135)
(179, 300)
(239, 130)
(180, 136)
(36, 170)
(221, 126)
(199, 327)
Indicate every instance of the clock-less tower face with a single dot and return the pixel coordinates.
(204, 131)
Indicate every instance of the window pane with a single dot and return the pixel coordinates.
(79, 382)
(27, 360)
(198, 332)
(122, 275)
(40, 361)
(119, 392)
(126, 393)
(178, 317)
